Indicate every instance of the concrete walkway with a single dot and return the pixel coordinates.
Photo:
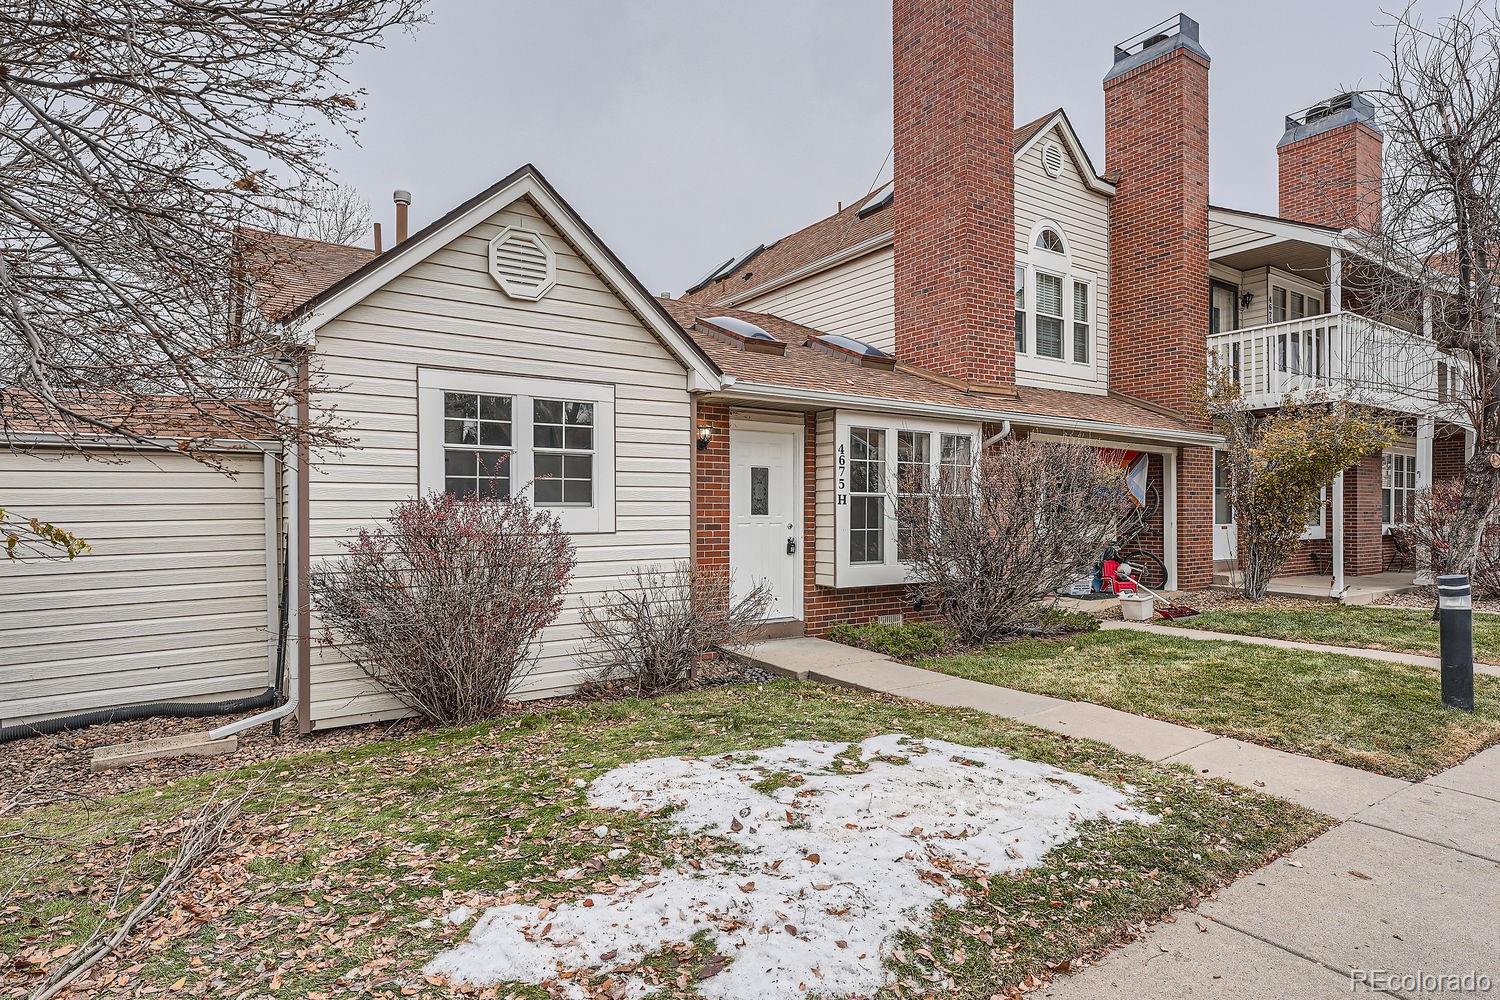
(1388, 656)
(1329, 788)
(1407, 884)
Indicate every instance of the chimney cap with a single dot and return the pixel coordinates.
(401, 197)
(1340, 109)
(1177, 32)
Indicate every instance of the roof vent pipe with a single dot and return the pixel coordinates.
(378, 247)
(403, 202)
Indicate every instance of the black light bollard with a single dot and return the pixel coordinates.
(1456, 631)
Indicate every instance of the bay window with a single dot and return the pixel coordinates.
(886, 467)
(494, 435)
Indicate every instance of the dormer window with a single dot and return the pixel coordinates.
(1051, 241)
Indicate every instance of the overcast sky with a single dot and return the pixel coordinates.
(686, 131)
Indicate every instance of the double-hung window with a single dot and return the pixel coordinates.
(1055, 320)
(1398, 487)
(494, 436)
(913, 484)
(866, 495)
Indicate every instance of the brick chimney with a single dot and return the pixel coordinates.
(955, 188)
(1156, 151)
(1329, 164)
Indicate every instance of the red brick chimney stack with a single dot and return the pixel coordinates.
(1156, 150)
(955, 188)
(1329, 164)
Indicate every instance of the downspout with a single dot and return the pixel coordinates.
(996, 439)
(297, 556)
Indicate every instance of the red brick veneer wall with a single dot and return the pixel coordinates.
(711, 489)
(1332, 178)
(1195, 518)
(1364, 549)
(954, 118)
(1156, 145)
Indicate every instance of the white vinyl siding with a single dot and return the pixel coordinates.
(1082, 216)
(170, 604)
(856, 299)
(447, 312)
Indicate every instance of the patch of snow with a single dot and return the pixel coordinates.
(848, 845)
(458, 915)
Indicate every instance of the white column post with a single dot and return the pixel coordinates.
(1337, 542)
(1336, 352)
(1426, 429)
(1169, 462)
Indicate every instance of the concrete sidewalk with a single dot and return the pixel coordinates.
(1407, 885)
(1332, 789)
(1388, 656)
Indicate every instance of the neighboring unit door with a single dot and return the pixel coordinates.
(1224, 531)
(765, 525)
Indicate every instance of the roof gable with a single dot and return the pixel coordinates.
(526, 182)
(851, 231)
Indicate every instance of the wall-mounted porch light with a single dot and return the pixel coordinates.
(705, 435)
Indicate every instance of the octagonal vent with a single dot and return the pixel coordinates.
(1052, 159)
(522, 263)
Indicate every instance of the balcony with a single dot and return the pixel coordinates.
(1343, 355)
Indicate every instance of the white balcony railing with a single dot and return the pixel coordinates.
(1343, 355)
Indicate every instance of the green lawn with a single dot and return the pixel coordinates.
(1383, 717)
(344, 857)
(1404, 630)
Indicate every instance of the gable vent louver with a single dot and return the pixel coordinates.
(522, 263)
(1052, 159)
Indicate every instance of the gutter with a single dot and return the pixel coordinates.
(838, 400)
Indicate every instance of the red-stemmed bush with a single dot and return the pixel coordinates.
(443, 606)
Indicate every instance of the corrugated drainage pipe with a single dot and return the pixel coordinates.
(125, 713)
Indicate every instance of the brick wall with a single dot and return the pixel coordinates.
(1447, 456)
(954, 122)
(1364, 549)
(1195, 518)
(711, 490)
(1156, 146)
(1332, 178)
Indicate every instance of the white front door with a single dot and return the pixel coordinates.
(1224, 530)
(765, 516)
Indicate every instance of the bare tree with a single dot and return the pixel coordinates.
(1035, 516)
(652, 634)
(1437, 249)
(135, 140)
(332, 213)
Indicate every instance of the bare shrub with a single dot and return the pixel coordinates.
(1436, 527)
(649, 636)
(443, 606)
(1037, 516)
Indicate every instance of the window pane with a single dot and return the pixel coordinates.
(1278, 305)
(549, 466)
(547, 411)
(461, 431)
(760, 491)
(458, 404)
(494, 488)
(494, 463)
(549, 491)
(579, 438)
(1080, 302)
(1049, 294)
(494, 407)
(459, 487)
(547, 435)
(493, 433)
(1049, 336)
(1081, 342)
(580, 491)
(460, 463)
(580, 413)
(578, 466)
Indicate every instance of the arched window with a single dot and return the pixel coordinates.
(1050, 240)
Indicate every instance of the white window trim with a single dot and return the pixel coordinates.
(598, 517)
(1319, 530)
(1403, 452)
(891, 571)
(1060, 266)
